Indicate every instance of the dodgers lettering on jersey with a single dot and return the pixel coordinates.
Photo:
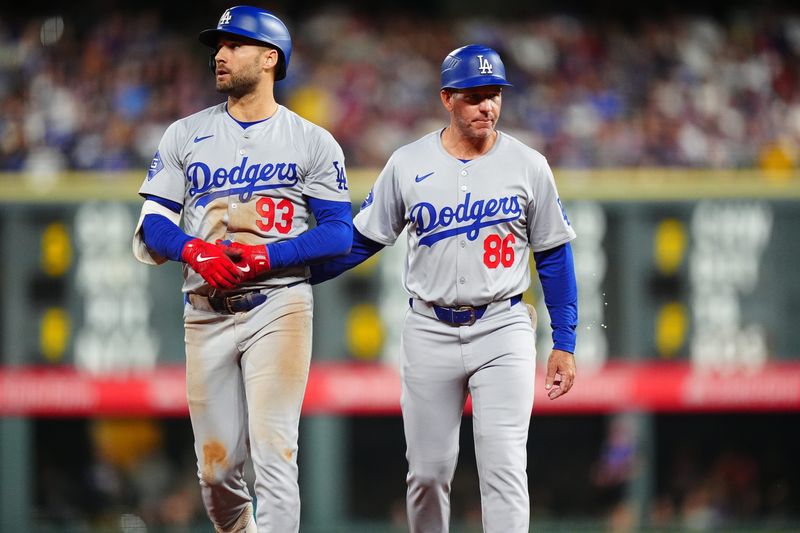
(475, 249)
(210, 185)
(246, 184)
(479, 214)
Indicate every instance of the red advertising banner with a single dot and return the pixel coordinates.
(346, 388)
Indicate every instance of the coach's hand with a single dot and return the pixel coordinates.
(560, 373)
(252, 261)
(211, 262)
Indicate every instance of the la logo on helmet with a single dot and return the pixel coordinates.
(484, 66)
(226, 17)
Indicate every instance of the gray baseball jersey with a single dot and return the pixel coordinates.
(246, 185)
(469, 225)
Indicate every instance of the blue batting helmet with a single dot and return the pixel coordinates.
(473, 65)
(257, 24)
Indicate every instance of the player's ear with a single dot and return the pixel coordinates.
(270, 58)
(447, 99)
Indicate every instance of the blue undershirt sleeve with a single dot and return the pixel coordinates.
(330, 238)
(557, 274)
(161, 234)
(163, 237)
(361, 249)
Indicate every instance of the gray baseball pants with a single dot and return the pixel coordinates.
(246, 375)
(494, 361)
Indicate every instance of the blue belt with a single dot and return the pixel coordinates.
(465, 315)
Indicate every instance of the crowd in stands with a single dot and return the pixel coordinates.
(83, 93)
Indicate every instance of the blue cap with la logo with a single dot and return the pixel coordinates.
(474, 65)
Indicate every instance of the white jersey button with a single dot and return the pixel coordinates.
(233, 206)
(463, 244)
(241, 152)
(462, 280)
(464, 172)
(463, 187)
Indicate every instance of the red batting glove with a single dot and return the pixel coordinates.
(251, 260)
(211, 262)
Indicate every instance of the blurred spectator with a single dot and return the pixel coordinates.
(96, 92)
(721, 494)
(614, 470)
(617, 463)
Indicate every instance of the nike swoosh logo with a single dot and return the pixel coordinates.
(198, 139)
(202, 259)
(420, 178)
(245, 269)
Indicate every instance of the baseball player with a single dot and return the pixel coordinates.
(471, 201)
(244, 176)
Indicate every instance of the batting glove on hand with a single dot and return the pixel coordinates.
(252, 261)
(211, 263)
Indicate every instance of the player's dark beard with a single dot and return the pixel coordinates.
(239, 83)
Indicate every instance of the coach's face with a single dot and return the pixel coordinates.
(241, 66)
(475, 111)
